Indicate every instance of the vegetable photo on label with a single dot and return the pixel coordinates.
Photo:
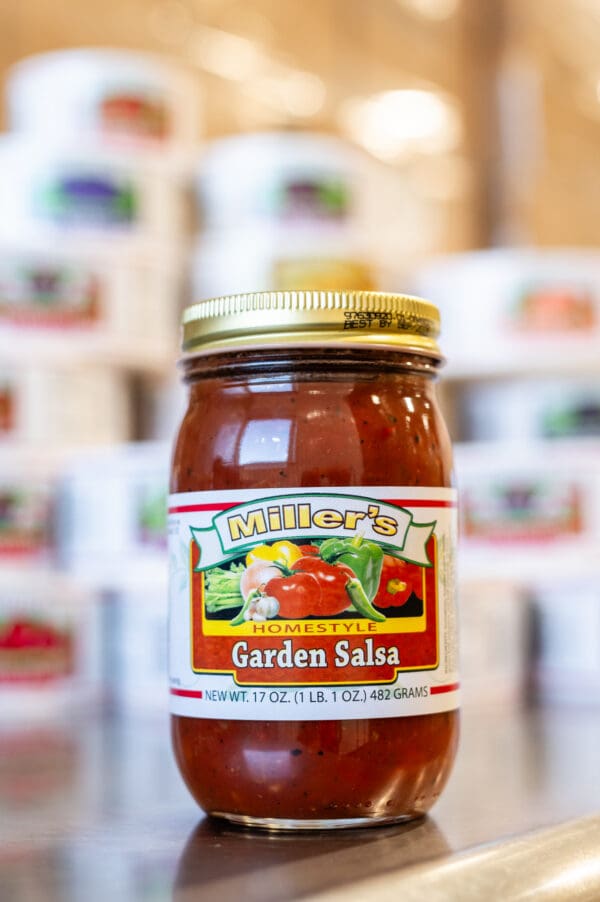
(292, 581)
(399, 580)
(280, 553)
(222, 588)
(364, 558)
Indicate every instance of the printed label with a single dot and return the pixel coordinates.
(522, 509)
(554, 307)
(312, 197)
(34, 649)
(44, 294)
(312, 605)
(7, 408)
(89, 199)
(151, 516)
(575, 416)
(25, 517)
(132, 114)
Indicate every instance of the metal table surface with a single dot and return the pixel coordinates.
(95, 810)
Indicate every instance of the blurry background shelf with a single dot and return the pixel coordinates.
(564, 358)
(551, 563)
(69, 350)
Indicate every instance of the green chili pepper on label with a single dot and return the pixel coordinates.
(364, 558)
(357, 596)
(240, 618)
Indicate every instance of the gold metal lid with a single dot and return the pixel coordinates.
(296, 318)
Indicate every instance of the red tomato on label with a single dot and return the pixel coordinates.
(313, 588)
(398, 581)
(332, 579)
(296, 594)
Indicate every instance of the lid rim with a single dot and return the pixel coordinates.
(334, 316)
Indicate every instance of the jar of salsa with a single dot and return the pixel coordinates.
(312, 530)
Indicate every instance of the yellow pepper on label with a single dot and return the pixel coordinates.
(281, 552)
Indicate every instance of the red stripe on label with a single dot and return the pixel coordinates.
(187, 693)
(449, 687)
(419, 502)
(400, 502)
(192, 508)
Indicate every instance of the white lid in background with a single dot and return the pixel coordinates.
(23, 155)
(93, 251)
(59, 93)
(44, 589)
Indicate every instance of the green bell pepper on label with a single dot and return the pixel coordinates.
(364, 558)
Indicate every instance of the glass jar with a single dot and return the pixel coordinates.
(312, 528)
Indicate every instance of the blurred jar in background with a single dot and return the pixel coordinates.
(515, 311)
(290, 208)
(49, 651)
(111, 97)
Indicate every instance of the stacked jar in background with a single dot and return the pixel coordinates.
(93, 264)
(282, 211)
(522, 334)
(290, 210)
